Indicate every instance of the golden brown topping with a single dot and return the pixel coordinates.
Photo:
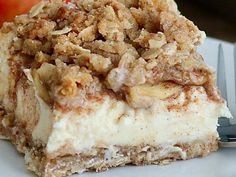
(31, 47)
(110, 26)
(65, 30)
(166, 5)
(150, 54)
(67, 48)
(41, 58)
(84, 47)
(151, 40)
(48, 73)
(88, 34)
(100, 64)
(183, 31)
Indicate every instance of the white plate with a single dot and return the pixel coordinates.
(219, 164)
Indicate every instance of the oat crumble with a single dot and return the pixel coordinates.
(79, 47)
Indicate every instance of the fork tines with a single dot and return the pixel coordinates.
(227, 129)
(221, 76)
(235, 74)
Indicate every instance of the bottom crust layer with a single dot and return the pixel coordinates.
(101, 159)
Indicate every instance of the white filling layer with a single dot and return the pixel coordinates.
(115, 123)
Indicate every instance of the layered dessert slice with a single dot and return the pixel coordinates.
(92, 84)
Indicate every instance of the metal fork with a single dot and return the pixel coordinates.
(227, 130)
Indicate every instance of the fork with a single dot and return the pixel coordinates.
(227, 130)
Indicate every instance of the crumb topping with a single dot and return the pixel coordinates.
(79, 48)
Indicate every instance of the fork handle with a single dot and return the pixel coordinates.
(227, 144)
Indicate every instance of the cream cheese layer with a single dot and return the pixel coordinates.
(113, 122)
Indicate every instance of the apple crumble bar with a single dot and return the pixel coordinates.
(92, 84)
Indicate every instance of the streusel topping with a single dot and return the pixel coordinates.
(79, 48)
